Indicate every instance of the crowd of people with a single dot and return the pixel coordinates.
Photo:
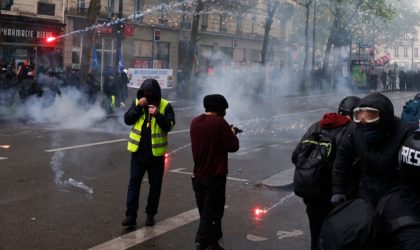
(369, 196)
(394, 79)
(25, 80)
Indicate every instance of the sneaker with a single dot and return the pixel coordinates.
(129, 221)
(150, 221)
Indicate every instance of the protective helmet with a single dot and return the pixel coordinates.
(347, 105)
(409, 161)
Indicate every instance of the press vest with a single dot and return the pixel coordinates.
(159, 137)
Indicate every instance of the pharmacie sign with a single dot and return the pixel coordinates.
(26, 33)
(163, 76)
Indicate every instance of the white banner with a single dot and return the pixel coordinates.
(137, 76)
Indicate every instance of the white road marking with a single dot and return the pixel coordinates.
(174, 132)
(3, 158)
(84, 145)
(252, 237)
(134, 238)
(288, 234)
(179, 171)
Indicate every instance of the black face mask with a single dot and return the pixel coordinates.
(372, 133)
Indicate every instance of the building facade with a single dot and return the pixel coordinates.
(25, 26)
(406, 53)
(153, 37)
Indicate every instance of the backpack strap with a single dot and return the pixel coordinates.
(403, 221)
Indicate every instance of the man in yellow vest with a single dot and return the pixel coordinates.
(152, 118)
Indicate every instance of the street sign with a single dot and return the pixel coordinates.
(364, 46)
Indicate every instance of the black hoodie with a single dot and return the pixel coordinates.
(379, 162)
(165, 121)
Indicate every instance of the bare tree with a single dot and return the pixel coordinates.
(89, 42)
(272, 6)
(202, 6)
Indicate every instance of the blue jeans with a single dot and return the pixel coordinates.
(154, 167)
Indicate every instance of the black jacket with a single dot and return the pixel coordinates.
(379, 162)
(164, 120)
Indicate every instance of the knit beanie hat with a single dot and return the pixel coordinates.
(215, 103)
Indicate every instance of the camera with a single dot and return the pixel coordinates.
(237, 130)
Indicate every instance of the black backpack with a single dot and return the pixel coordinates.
(352, 225)
(313, 164)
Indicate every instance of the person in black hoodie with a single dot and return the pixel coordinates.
(331, 124)
(152, 118)
(375, 139)
(399, 209)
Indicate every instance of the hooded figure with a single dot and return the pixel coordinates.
(150, 89)
(152, 118)
(375, 138)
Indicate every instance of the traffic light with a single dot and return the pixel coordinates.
(156, 35)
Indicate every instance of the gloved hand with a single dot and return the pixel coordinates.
(337, 199)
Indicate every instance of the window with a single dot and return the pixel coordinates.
(139, 9)
(75, 57)
(222, 23)
(255, 56)
(227, 53)
(239, 20)
(253, 24)
(111, 7)
(46, 9)
(239, 55)
(396, 54)
(81, 7)
(405, 52)
(151, 54)
(161, 55)
(185, 18)
(204, 21)
(143, 48)
(416, 52)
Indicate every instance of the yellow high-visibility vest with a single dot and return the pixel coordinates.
(159, 137)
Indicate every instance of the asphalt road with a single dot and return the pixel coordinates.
(64, 182)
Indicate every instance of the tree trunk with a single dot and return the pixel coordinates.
(271, 10)
(89, 42)
(191, 49)
(333, 33)
(267, 28)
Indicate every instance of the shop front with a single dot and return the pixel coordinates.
(24, 40)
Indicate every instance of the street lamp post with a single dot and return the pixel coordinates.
(411, 37)
(412, 51)
(118, 40)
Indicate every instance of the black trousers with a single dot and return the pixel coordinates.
(154, 167)
(316, 210)
(210, 197)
